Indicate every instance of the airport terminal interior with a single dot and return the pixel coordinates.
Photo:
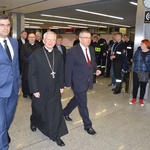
(119, 125)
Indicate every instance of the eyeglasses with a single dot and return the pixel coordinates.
(87, 38)
(31, 37)
(3, 25)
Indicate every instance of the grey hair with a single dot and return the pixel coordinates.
(49, 32)
(38, 33)
(84, 31)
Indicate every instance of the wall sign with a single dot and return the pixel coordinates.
(147, 17)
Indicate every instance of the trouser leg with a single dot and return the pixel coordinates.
(70, 106)
(7, 111)
(142, 89)
(81, 98)
(135, 84)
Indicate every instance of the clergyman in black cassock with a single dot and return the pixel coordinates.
(46, 82)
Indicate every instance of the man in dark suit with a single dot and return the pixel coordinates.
(76, 41)
(22, 40)
(79, 69)
(26, 51)
(61, 47)
(39, 40)
(9, 80)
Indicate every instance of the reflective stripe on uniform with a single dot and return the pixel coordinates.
(97, 49)
(118, 80)
(103, 66)
(117, 52)
(129, 47)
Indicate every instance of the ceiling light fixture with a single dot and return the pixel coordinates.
(99, 14)
(83, 20)
(77, 26)
(34, 22)
(33, 27)
(133, 3)
(61, 27)
(74, 23)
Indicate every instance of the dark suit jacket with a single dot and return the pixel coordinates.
(26, 51)
(19, 52)
(20, 44)
(63, 51)
(9, 71)
(78, 74)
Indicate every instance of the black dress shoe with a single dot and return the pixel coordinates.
(67, 118)
(90, 131)
(33, 128)
(116, 92)
(9, 139)
(59, 142)
(25, 96)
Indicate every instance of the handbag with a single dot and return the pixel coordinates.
(143, 76)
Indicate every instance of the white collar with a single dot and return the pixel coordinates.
(49, 50)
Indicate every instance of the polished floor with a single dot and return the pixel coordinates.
(119, 126)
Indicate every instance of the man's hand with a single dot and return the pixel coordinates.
(98, 72)
(104, 54)
(112, 57)
(61, 91)
(37, 94)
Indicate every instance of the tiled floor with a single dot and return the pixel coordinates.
(119, 126)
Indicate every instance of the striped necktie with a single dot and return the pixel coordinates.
(88, 60)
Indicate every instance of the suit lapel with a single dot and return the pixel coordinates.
(13, 47)
(82, 55)
(91, 54)
(3, 51)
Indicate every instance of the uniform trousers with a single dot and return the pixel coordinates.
(7, 111)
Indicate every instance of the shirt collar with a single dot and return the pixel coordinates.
(83, 48)
(49, 50)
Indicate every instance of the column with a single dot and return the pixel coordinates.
(18, 23)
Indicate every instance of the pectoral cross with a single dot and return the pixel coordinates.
(53, 74)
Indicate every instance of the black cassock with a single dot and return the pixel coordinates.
(47, 113)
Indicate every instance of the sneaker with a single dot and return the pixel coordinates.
(132, 101)
(111, 84)
(141, 102)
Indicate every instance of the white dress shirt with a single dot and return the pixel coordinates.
(9, 46)
(84, 52)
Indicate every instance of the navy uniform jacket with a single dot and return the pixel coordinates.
(78, 74)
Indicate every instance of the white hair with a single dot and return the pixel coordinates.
(49, 32)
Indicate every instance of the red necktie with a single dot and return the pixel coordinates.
(88, 60)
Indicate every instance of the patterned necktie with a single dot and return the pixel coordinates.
(88, 60)
(7, 49)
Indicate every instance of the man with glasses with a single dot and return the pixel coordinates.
(79, 69)
(9, 80)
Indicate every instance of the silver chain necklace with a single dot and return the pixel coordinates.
(52, 69)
